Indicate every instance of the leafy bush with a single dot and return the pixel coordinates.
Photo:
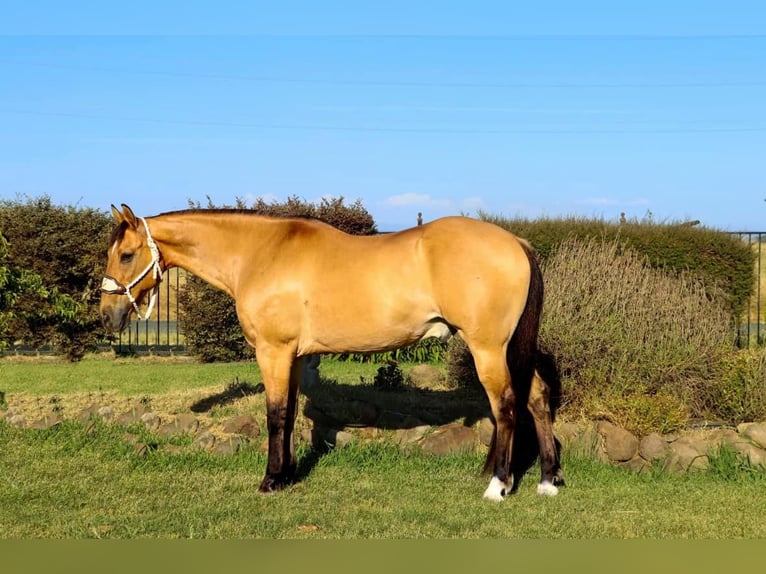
(430, 350)
(389, 377)
(737, 393)
(621, 329)
(461, 370)
(58, 253)
(208, 317)
(721, 261)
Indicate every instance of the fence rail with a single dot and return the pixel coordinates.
(159, 334)
(752, 329)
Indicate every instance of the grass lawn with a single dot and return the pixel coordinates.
(77, 482)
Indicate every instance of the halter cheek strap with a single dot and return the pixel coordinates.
(111, 286)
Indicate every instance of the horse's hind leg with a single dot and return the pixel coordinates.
(282, 375)
(495, 378)
(539, 406)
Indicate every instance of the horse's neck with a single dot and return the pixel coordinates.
(201, 244)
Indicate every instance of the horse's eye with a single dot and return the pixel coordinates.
(126, 257)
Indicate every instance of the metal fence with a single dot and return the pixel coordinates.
(752, 329)
(159, 334)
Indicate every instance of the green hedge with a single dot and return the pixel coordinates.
(64, 248)
(719, 259)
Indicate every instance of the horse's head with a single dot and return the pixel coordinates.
(132, 270)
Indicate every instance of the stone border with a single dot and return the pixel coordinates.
(675, 453)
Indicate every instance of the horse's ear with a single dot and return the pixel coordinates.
(117, 214)
(129, 216)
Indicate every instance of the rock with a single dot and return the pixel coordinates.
(620, 445)
(341, 439)
(47, 422)
(132, 416)
(635, 464)
(755, 456)
(427, 377)
(151, 420)
(449, 439)
(229, 446)
(727, 437)
(567, 433)
(204, 440)
(653, 447)
(486, 431)
(756, 433)
(18, 421)
(587, 443)
(106, 413)
(245, 425)
(187, 423)
(87, 414)
(408, 437)
(686, 455)
(182, 424)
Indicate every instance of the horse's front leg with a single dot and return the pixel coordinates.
(282, 374)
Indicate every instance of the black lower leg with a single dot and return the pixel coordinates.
(275, 478)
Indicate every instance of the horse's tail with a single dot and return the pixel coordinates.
(522, 349)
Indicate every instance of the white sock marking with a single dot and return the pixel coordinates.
(546, 488)
(496, 489)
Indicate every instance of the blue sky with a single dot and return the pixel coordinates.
(587, 108)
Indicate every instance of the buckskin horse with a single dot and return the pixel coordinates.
(303, 287)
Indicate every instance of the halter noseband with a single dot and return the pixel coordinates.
(111, 286)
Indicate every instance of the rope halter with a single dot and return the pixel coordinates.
(111, 286)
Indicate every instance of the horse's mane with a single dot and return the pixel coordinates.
(237, 211)
(118, 232)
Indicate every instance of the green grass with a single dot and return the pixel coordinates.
(68, 483)
(131, 377)
(76, 482)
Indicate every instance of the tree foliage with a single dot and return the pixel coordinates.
(54, 256)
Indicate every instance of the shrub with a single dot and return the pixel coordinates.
(720, 260)
(619, 328)
(208, 317)
(389, 377)
(61, 249)
(461, 370)
(737, 392)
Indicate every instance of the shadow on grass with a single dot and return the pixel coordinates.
(234, 391)
(334, 406)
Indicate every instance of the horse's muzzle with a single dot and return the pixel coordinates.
(115, 318)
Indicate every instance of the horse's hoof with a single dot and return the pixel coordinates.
(547, 489)
(496, 490)
(270, 485)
